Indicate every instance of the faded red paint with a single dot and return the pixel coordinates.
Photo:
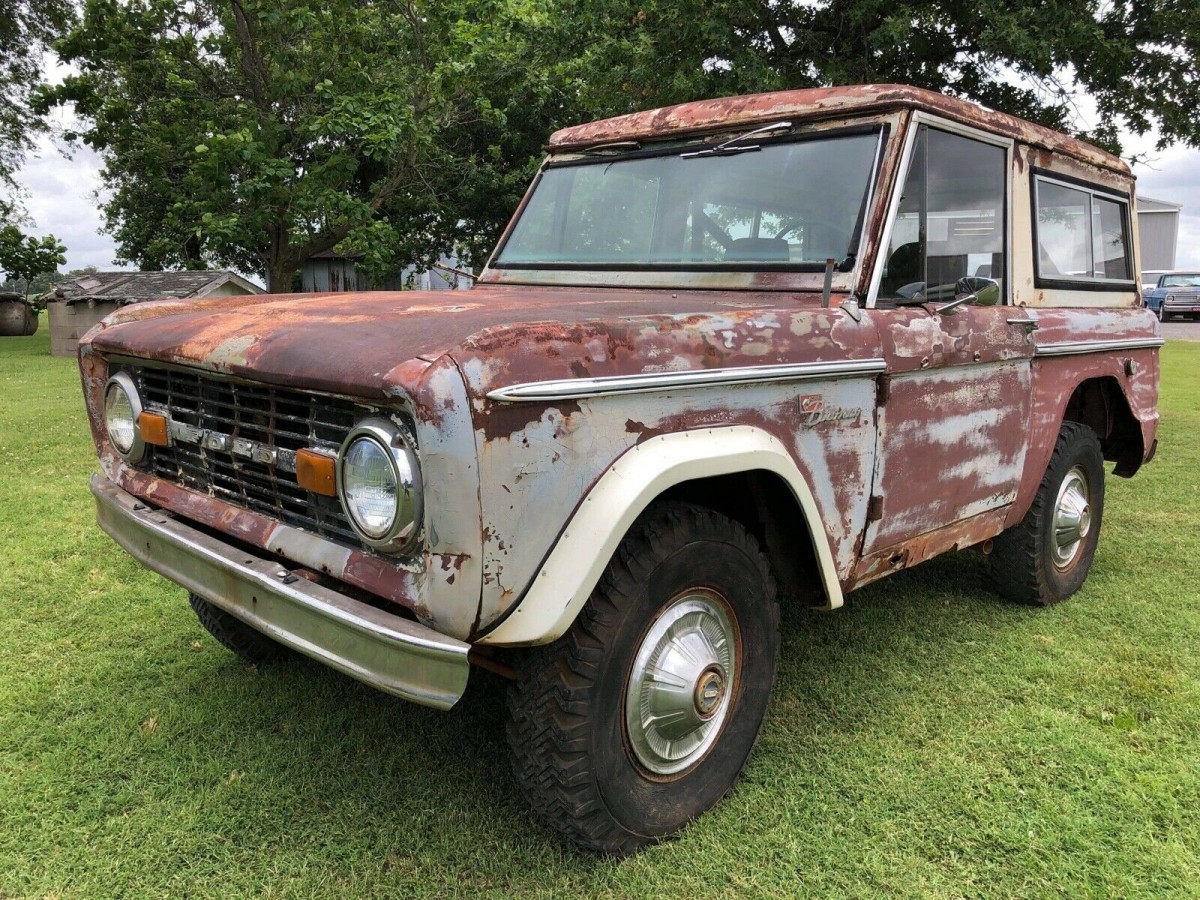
(815, 104)
(952, 443)
(361, 345)
(1057, 379)
(362, 570)
(960, 535)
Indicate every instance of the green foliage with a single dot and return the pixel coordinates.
(255, 135)
(46, 281)
(928, 740)
(25, 258)
(1035, 59)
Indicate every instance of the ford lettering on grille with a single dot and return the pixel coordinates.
(237, 441)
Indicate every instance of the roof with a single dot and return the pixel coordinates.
(134, 287)
(1149, 204)
(815, 104)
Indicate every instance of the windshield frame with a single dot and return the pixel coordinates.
(497, 271)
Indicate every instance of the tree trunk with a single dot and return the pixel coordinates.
(280, 273)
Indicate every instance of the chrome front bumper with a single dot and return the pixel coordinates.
(385, 651)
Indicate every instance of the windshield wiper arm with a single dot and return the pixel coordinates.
(735, 145)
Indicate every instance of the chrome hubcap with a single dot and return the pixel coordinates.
(1072, 518)
(680, 683)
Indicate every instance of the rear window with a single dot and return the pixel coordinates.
(1082, 235)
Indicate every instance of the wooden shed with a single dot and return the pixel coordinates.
(79, 303)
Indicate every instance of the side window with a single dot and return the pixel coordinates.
(951, 219)
(1082, 234)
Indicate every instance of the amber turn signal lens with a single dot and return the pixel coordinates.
(315, 472)
(154, 429)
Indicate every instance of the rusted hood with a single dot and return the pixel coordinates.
(348, 343)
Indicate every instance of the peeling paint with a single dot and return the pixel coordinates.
(951, 443)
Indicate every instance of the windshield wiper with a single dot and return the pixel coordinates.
(735, 145)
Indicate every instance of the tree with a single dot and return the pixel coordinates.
(45, 282)
(255, 135)
(25, 258)
(1039, 59)
(26, 29)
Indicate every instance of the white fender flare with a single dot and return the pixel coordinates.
(566, 578)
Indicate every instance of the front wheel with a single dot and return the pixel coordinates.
(1046, 557)
(643, 715)
(235, 635)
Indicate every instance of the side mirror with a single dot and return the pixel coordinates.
(986, 290)
(974, 290)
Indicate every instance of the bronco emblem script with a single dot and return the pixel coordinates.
(812, 406)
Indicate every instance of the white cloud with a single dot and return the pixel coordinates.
(62, 200)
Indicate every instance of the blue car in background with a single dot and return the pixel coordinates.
(1176, 294)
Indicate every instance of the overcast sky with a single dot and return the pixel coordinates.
(61, 198)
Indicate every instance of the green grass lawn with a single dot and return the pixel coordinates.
(928, 739)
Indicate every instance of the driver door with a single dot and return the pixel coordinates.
(955, 404)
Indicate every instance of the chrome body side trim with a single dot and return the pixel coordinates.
(388, 652)
(577, 388)
(1069, 348)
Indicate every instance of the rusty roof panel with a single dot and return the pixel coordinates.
(814, 104)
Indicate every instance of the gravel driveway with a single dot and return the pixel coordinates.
(1180, 330)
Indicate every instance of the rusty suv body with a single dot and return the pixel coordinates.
(822, 400)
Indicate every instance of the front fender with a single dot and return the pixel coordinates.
(574, 565)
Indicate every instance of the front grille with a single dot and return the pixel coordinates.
(274, 418)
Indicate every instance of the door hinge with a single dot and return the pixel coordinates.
(875, 508)
(883, 389)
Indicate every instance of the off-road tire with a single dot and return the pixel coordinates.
(235, 635)
(570, 748)
(1023, 564)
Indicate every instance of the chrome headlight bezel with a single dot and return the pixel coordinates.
(123, 382)
(399, 449)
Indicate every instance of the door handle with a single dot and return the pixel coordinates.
(1028, 324)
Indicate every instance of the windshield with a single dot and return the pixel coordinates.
(787, 205)
(1191, 279)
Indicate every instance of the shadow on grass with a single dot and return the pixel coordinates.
(309, 761)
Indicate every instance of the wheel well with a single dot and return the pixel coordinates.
(764, 505)
(1100, 404)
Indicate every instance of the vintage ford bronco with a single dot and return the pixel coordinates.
(727, 355)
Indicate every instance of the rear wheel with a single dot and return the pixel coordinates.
(643, 715)
(1046, 557)
(235, 635)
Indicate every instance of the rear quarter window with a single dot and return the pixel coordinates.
(1081, 236)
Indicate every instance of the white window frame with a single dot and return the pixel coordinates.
(910, 138)
(1075, 282)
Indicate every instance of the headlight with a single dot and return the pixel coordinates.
(122, 406)
(379, 484)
